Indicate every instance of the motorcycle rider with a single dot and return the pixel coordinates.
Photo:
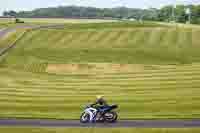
(99, 103)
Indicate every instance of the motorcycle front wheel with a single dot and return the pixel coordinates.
(85, 118)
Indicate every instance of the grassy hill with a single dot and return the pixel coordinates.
(123, 44)
(151, 71)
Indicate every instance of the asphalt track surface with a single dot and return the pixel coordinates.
(119, 124)
(5, 31)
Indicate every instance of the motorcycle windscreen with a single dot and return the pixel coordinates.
(108, 108)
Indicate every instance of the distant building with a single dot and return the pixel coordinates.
(124, 19)
(132, 19)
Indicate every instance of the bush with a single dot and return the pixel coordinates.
(18, 21)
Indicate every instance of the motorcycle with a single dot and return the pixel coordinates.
(101, 114)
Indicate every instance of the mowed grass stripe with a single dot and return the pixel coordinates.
(184, 39)
(195, 38)
(114, 38)
(133, 83)
(155, 37)
(146, 73)
(66, 40)
(98, 89)
(97, 37)
(130, 82)
(53, 37)
(76, 36)
(79, 39)
(59, 40)
(64, 103)
(39, 39)
(58, 99)
(122, 40)
(132, 37)
(30, 36)
(77, 105)
(109, 80)
(144, 40)
(107, 85)
(182, 112)
(170, 38)
(119, 76)
(86, 90)
(137, 38)
(103, 40)
(87, 96)
(137, 93)
(87, 37)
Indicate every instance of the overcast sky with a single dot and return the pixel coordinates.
(32, 4)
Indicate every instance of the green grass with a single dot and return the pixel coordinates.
(113, 25)
(5, 22)
(10, 22)
(190, 26)
(152, 72)
(95, 130)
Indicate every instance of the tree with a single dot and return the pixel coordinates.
(195, 14)
(165, 13)
(10, 13)
(180, 13)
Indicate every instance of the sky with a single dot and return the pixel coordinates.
(19, 5)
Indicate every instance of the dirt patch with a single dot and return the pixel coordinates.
(57, 68)
(93, 68)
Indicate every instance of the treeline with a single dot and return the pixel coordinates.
(163, 14)
(85, 12)
(178, 14)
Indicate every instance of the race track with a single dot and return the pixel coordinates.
(119, 124)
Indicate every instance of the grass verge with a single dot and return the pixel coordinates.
(95, 130)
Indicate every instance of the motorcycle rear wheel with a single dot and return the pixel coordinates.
(111, 117)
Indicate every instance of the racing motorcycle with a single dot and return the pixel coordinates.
(100, 114)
